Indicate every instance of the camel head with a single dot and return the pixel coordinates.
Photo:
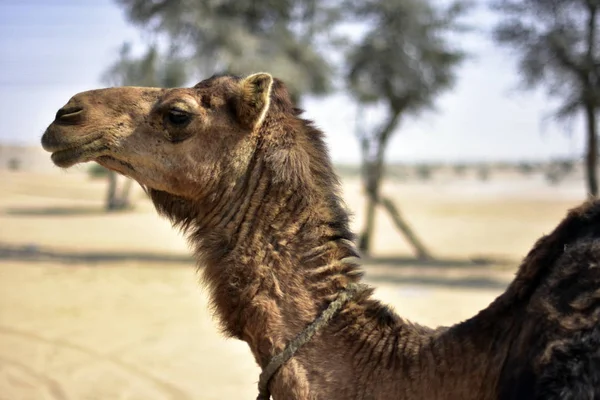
(178, 141)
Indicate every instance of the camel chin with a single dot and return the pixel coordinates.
(113, 164)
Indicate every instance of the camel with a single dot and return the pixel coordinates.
(232, 163)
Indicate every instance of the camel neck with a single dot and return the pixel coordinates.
(273, 258)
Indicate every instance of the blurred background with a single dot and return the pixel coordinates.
(462, 130)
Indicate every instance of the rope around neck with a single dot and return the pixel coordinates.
(303, 337)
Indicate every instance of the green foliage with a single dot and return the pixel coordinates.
(14, 164)
(483, 172)
(460, 169)
(285, 37)
(151, 69)
(423, 172)
(558, 170)
(406, 58)
(525, 168)
(404, 61)
(557, 47)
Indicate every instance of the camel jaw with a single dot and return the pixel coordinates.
(121, 167)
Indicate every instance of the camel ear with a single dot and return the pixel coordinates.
(255, 98)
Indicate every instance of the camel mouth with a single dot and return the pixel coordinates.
(54, 140)
(79, 154)
(66, 153)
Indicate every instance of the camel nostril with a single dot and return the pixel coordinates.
(68, 114)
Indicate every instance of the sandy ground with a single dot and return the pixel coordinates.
(97, 306)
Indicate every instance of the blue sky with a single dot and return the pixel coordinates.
(50, 50)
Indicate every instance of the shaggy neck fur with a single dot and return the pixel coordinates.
(274, 249)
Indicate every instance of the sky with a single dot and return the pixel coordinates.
(52, 49)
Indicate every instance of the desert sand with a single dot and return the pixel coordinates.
(109, 306)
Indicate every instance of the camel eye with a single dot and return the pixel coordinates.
(178, 117)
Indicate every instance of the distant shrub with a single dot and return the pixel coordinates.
(557, 171)
(525, 168)
(460, 169)
(553, 177)
(14, 164)
(483, 173)
(566, 166)
(97, 171)
(423, 172)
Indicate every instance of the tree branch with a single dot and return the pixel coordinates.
(591, 38)
(566, 60)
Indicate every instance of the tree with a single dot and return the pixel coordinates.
(288, 38)
(557, 45)
(399, 67)
(148, 70)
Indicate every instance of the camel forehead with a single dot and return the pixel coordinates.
(189, 94)
(220, 84)
(211, 92)
(223, 86)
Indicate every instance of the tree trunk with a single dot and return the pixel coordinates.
(124, 198)
(364, 242)
(402, 225)
(591, 103)
(111, 197)
(114, 200)
(372, 179)
(373, 153)
(373, 150)
(592, 150)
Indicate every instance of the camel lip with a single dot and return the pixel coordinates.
(64, 158)
(69, 157)
(53, 141)
(69, 154)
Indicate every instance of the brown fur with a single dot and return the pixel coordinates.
(251, 184)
